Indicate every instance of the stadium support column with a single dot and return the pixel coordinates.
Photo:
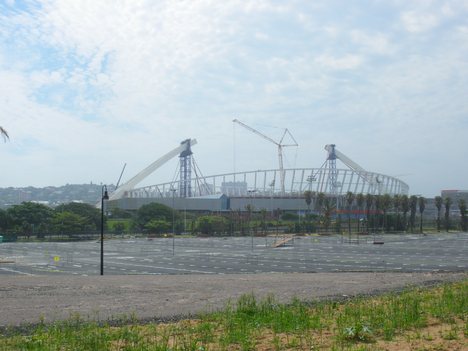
(185, 187)
(333, 173)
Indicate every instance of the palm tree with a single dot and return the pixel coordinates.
(349, 201)
(249, 208)
(386, 203)
(404, 208)
(328, 208)
(263, 212)
(308, 200)
(413, 204)
(320, 201)
(462, 208)
(447, 204)
(438, 202)
(396, 207)
(378, 207)
(360, 199)
(422, 206)
(369, 202)
(4, 134)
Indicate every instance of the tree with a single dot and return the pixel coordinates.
(29, 215)
(397, 207)
(320, 202)
(386, 204)
(157, 226)
(349, 201)
(405, 208)
(422, 206)
(328, 208)
(462, 208)
(378, 208)
(369, 203)
(413, 204)
(120, 213)
(249, 208)
(68, 223)
(308, 200)
(438, 203)
(90, 214)
(211, 225)
(360, 200)
(152, 211)
(263, 214)
(119, 228)
(447, 204)
(3, 220)
(4, 134)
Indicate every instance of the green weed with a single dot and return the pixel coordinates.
(249, 322)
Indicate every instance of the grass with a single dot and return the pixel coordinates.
(418, 317)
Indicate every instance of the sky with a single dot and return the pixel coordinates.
(87, 86)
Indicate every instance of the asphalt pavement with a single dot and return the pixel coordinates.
(33, 299)
(230, 255)
(168, 278)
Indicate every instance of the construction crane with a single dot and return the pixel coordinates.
(279, 144)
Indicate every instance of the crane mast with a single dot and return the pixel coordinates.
(278, 144)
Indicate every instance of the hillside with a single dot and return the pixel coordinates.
(51, 195)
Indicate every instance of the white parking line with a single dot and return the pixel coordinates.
(15, 271)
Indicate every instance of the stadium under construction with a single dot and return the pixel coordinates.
(261, 189)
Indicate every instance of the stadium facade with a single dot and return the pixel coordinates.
(261, 189)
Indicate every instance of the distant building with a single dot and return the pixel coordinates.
(455, 195)
(234, 188)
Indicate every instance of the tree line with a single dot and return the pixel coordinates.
(384, 212)
(32, 219)
(352, 213)
(80, 220)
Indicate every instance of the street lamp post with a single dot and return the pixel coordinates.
(310, 179)
(173, 221)
(251, 192)
(104, 196)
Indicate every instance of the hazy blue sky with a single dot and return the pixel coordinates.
(86, 86)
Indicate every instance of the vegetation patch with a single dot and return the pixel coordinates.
(417, 319)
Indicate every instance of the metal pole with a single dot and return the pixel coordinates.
(250, 216)
(104, 196)
(102, 235)
(173, 223)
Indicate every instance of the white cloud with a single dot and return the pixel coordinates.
(373, 43)
(262, 36)
(128, 81)
(415, 22)
(345, 62)
(332, 31)
(44, 77)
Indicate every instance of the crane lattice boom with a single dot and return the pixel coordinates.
(278, 144)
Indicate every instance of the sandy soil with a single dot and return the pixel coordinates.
(28, 300)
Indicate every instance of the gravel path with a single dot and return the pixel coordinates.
(25, 300)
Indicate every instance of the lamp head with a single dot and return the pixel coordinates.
(105, 195)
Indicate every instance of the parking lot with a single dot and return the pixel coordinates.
(384, 253)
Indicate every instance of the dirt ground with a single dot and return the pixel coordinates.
(30, 299)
